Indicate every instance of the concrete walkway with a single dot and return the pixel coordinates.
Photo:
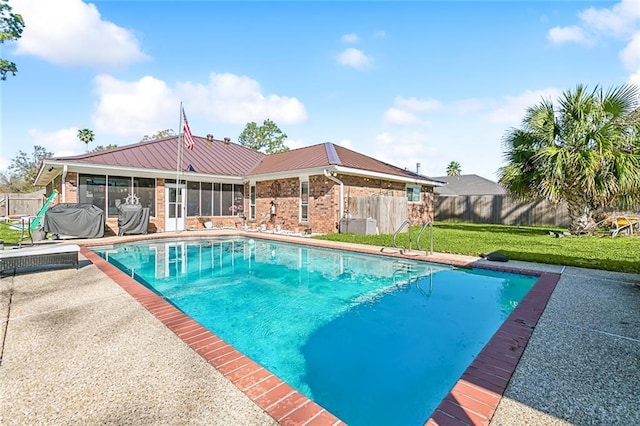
(77, 349)
(582, 364)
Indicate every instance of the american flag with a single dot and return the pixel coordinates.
(187, 136)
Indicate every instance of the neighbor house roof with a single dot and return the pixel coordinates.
(225, 159)
(468, 185)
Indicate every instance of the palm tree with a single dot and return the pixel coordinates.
(86, 136)
(585, 151)
(453, 169)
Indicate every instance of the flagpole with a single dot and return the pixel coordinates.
(179, 168)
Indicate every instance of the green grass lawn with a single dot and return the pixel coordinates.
(528, 243)
(8, 235)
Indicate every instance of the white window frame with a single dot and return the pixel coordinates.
(252, 201)
(303, 181)
(415, 197)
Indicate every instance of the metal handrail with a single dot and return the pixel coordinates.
(424, 226)
(395, 236)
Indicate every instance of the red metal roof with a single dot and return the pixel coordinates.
(325, 155)
(230, 159)
(210, 157)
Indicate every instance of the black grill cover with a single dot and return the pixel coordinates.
(132, 219)
(80, 220)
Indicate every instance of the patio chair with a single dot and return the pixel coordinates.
(58, 254)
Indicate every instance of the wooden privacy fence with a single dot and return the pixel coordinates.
(19, 204)
(500, 209)
(389, 212)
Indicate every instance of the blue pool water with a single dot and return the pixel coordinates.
(374, 340)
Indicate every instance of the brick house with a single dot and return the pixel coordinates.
(228, 184)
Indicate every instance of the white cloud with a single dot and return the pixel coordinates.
(631, 53)
(62, 142)
(71, 32)
(137, 108)
(350, 38)
(295, 143)
(635, 78)
(400, 117)
(355, 58)
(405, 111)
(346, 143)
(239, 99)
(513, 109)
(619, 20)
(379, 34)
(572, 34)
(133, 108)
(403, 150)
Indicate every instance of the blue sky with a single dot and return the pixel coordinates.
(405, 82)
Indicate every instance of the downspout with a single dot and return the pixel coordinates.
(339, 182)
(63, 194)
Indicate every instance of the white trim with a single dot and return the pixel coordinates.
(203, 177)
(385, 176)
(136, 172)
(288, 174)
(308, 200)
(418, 187)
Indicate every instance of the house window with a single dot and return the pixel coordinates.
(206, 197)
(252, 202)
(227, 199)
(118, 189)
(304, 201)
(413, 194)
(238, 200)
(92, 190)
(217, 199)
(145, 190)
(193, 198)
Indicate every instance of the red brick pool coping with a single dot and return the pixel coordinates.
(472, 400)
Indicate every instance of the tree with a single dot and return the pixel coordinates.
(24, 168)
(86, 136)
(11, 26)
(158, 135)
(453, 169)
(585, 151)
(103, 148)
(266, 138)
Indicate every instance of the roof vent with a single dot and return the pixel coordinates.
(210, 137)
(227, 141)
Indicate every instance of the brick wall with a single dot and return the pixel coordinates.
(323, 203)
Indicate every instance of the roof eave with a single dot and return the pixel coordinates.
(387, 176)
(129, 171)
(289, 173)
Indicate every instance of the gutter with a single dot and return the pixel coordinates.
(339, 182)
(377, 175)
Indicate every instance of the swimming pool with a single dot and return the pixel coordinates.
(374, 340)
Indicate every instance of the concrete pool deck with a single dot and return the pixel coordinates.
(78, 349)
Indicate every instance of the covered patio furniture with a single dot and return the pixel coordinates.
(80, 220)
